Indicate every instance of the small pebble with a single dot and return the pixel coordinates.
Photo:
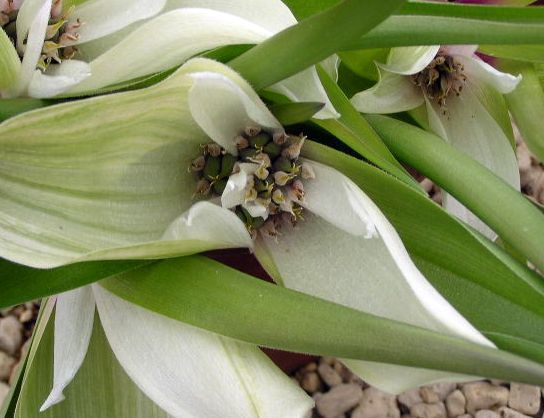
(455, 403)
(505, 412)
(465, 416)
(524, 398)
(483, 395)
(328, 374)
(410, 398)
(376, 404)
(338, 400)
(311, 382)
(6, 365)
(486, 413)
(424, 410)
(11, 336)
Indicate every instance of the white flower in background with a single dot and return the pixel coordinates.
(98, 187)
(457, 89)
(106, 42)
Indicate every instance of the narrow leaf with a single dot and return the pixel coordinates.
(9, 62)
(310, 41)
(517, 222)
(209, 295)
(293, 113)
(526, 103)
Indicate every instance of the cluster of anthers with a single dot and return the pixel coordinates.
(441, 78)
(60, 36)
(269, 173)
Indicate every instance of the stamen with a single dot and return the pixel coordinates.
(443, 77)
(273, 178)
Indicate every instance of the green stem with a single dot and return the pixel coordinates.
(503, 208)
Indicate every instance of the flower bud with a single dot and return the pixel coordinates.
(212, 168)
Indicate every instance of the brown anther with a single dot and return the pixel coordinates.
(72, 27)
(298, 189)
(292, 152)
(56, 9)
(279, 138)
(212, 149)
(203, 187)
(67, 39)
(252, 130)
(198, 163)
(269, 229)
(307, 172)
(4, 19)
(241, 142)
(69, 52)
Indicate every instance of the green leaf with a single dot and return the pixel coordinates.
(101, 388)
(12, 107)
(531, 53)
(293, 113)
(428, 23)
(435, 236)
(493, 315)
(504, 209)
(526, 103)
(21, 284)
(212, 296)
(310, 41)
(9, 62)
(303, 8)
(354, 131)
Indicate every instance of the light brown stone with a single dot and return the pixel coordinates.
(328, 374)
(338, 400)
(410, 398)
(524, 398)
(505, 412)
(311, 383)
(11, 336)
(483, 395)
(456, 403)
(486, 413)
(376, 404)
(4, 389)
(6, 364)
(424, 410)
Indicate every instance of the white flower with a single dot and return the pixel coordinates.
(105, 185)
(121, 40)
(458, 90)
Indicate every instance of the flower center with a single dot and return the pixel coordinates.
(267, 177)
(443, 77)
(60, 37)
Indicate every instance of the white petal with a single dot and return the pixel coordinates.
(393, 93)
(208, 222)
(166, 41)
(481, 72)
(409, 60)
(235, 190)
(472, 130)
(192, 373)
(273, 15)
(32, 19)
(102, 17)
(58, 78)
(74, 316)
(306, 87)
(374, 275)
(256, 210)
(465, 50)
(330, 65)
(223, 110)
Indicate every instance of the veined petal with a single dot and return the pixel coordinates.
(273, 15)
(58, 78)
(102, 17)
(166, 41)
(223, 109)
(409, 60)
(468, 127)
(95, 174)
(349, 240)
(481, 72)
(9, 64)
(393, 93)
(176, 364)
(306, 87)
(74, 317)
(32, 22)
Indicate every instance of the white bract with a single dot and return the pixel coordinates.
(102, 43)
(80, 182)
(461, 94)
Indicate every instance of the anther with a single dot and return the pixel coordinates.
(198, 163)
(252, 130)
(203, 187)
(293, 150)
(213, 149)
(307, 172)
(279, 138)
(241, 142)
